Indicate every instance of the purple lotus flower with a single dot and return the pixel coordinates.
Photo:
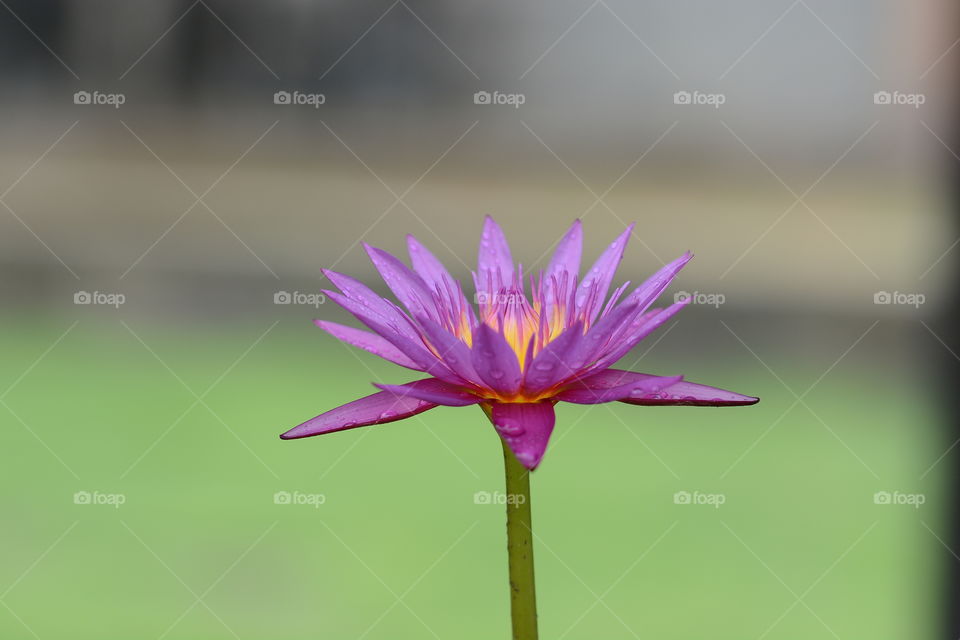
(515, 355)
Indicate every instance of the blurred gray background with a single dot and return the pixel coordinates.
(290, 188)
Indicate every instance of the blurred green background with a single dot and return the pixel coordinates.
(398, 519)
(200, 200)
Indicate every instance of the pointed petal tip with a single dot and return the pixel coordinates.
(737, 400)
(490, 223)
(334, 276)
(625, 234)
(379, 408)
(566, 258)
(525, 428)
(374, 252)
(296, 433)
(530, 462)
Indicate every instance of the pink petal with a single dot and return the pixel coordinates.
(679, 393)
(643, 326)
(378, 408)
(565, 260)
(595, 342)
(495, 362)
(453, 351)
(371, 301)
(645, 322)
(644, 295)
(692, 394)
(434, 274)
(526, 428)
(494, 255)
(593, 288)
(552, 364)
(412, 348)
(585, 393)
(409, 288)
(433, 390)
(368, 342)
(425, 264)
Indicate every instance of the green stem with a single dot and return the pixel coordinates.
(523, 597)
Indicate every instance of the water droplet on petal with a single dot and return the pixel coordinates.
(512, 431)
